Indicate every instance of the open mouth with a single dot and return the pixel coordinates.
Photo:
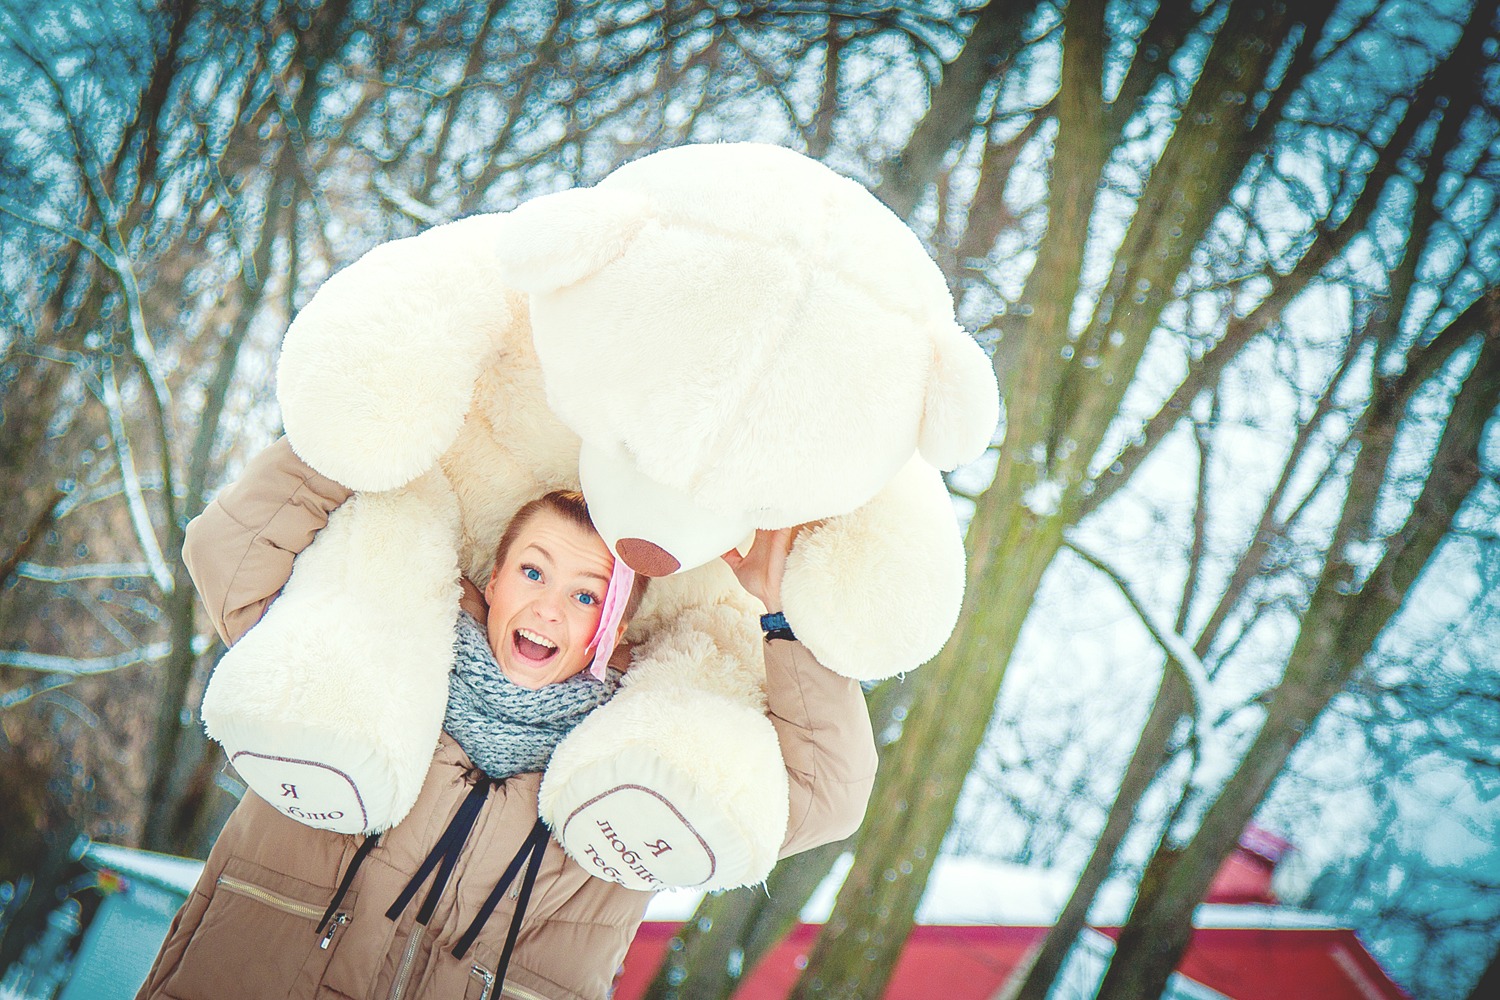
(532, 647)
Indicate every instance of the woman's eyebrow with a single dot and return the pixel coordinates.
(602, 578)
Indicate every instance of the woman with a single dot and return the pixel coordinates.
(425, 909)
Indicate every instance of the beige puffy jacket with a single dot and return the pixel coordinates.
(250, 927)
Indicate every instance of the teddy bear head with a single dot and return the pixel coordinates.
(742, 339)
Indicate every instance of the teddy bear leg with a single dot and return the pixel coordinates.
(877, 591)
(331, 706)
(659, 791)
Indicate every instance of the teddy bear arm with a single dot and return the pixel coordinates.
(239, 551)
(377, 371)
(823, 728)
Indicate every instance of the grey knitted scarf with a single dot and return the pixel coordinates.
(507, 729)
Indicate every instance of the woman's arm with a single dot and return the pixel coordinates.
(824, 729)
(820, 717)
(239, 551)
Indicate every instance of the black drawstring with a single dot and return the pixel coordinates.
(445, 853)
(348, 880)
(529, 855)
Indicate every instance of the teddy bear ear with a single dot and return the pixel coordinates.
(552, 241)
(962, 406)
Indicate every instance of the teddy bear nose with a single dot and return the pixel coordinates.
(646, 558)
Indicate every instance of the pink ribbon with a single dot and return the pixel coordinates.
(616, 596)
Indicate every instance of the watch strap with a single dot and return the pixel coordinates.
(775, 627)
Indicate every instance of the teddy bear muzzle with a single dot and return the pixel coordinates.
(657, 529)
(646, 558)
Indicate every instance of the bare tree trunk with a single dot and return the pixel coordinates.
(1050, 402)
(737, 929)
(319, 42)
(1173, 697)
(918, 786)
(820, 136)
(727, 936)
(1339, 631)
(1172, 700)
(176, 767)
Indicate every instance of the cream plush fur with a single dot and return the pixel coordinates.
(733, 333)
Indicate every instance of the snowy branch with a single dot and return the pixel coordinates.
(103, 491)
(140, 517)
(74, 666)
(82, 571)
(28, 691)
(1179, 651)
(113, 252)
(88, 241)
(407, 205)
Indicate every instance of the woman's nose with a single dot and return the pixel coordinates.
(549, 606)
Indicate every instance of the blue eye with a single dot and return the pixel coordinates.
(587, 599)
(532, 573)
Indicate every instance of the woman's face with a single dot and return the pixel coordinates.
(545, 600)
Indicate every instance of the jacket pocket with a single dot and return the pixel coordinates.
(258, 939)
(473, 978)
(481, 983)
(520, 984)
(366, 944)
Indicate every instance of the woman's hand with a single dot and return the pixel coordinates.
(761, 570)
(472, 600)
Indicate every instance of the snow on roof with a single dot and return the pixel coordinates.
(179, 874)
(970, 890)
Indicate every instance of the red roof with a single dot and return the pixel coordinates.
(972, 962)
(1244, 878)
(1250, 963)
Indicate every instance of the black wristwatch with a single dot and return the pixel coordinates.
(775, 627)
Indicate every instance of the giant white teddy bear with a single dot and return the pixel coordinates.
(714, 339)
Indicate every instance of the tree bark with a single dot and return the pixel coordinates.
(1205, 157)
(727, 936)
(169, 769)
(918, 785)
(952, 105)
(1172, 700)
(740, 927)
(1330, 241)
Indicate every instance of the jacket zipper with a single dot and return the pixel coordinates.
(480, 972)
(403, 972)
(519, 992)
(515, 887)
(339, 920)
(271, 899)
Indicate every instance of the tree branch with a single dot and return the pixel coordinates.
(952, 104)
(14, 563)
(1179, 652)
